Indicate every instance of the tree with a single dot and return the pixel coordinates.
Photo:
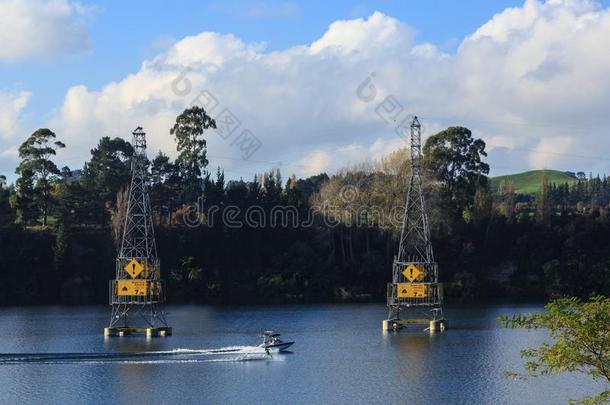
(543, 203)
(454, 158)
(272, 187)
(506, 191)
(165, 185)
(117, 217)
(188, 132)
(38, 171)
(581, 334)
(106, 173)
(7, 214)
(292, 195)
(481, 207)
(22, 201)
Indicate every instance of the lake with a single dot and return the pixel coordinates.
(340, 356)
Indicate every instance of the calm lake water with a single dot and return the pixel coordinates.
(340, 357)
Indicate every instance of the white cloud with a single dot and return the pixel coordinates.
(11, 106)
(41, 29)
(364, 36)
(530, 74)
(314, 163)
(546, 152)
(11, 152)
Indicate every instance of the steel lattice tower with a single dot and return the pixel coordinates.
(138, 233)
(415, 295)
(137, 289)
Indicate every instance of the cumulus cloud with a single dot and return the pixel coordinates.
(533, 77)
(11, 106)
(546, 150)
(41, 29)
(314, 163)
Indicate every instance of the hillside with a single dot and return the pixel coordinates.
(529, 182)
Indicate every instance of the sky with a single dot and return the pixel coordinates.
(311, 86)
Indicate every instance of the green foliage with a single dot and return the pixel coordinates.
(37, 174)
(481, 206)
(188, 132)
(506, 199)
(7, 213)
(165, 186)
(105, 174)
(581, 339)
(481, 254)
(454, 157)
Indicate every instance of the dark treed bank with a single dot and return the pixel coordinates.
(59, 227)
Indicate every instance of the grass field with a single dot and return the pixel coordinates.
(529, 182)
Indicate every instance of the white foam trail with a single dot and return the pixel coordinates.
(244, 353)
(242, 358)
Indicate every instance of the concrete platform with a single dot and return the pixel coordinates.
(149, 332)
(438, 325)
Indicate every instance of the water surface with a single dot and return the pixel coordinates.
(340, 356)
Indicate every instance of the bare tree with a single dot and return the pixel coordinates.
(117, 219)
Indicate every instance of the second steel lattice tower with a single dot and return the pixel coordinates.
(415, 295)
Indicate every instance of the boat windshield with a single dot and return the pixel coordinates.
(270, 339)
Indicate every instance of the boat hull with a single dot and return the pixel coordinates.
(279, 346)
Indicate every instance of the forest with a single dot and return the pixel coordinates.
(60, 227)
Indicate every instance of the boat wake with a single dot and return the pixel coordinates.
(225, 354)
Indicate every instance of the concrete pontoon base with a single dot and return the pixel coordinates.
(126, 331)
(437, 325)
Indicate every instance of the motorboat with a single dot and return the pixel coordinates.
(272, 341)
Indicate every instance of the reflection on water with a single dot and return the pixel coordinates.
(340, 356)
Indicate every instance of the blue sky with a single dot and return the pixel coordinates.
(124, 33)
(106, 42)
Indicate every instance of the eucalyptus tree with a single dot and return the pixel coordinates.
(455, 159)
(37, 174)
(188, 132)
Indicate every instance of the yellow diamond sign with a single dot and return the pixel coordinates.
(134, 268)
(413, 272)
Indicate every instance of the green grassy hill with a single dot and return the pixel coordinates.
(529, 182)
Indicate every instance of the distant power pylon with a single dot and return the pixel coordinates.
(415, 295)
(137, 291)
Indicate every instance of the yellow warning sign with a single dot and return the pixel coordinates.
(413, 273)
(131, 287)
(134, 268)
(412, 290)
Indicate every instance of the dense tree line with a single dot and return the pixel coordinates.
(59, 228)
